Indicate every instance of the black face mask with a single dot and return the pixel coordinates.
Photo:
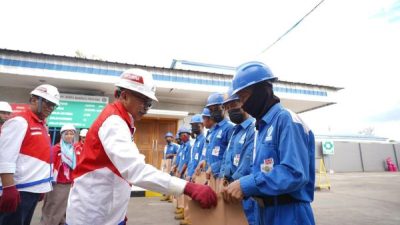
(168, 141)
(236, 116)
(261, 100)
(217, 116)
(196, 129)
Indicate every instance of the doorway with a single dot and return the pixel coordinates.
(149, 138)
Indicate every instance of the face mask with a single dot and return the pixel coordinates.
(185, 138)
(261, 100)
(195, 129)
(236, 115)
(217, 116)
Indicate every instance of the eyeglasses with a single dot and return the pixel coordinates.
(147, 102)
(49, 104)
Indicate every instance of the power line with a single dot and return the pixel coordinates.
(295, 25)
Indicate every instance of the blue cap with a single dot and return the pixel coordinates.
(230, 97)
(215, 99)
(196, 119)
(206, 112)
(183, 130)
(169, 134)
(251, 73)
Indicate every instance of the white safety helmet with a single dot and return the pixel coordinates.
(83, 132)
(138, 80)
(5, 107)
(67, 127)
(47, 92)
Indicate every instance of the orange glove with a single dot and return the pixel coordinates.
(10, 199)
(202, 194)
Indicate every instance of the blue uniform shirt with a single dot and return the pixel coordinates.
(219, 138)
(196, 152)
(170, 148)
(239, 155)
(284, 162)
(184, 155)
(206, 142)
(178, 155)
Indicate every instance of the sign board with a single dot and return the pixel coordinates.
(328, 148)
(79, 110)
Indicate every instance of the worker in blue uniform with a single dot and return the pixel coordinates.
(208, 124)
(180, 164)
(283, 172)
(170, 148)
(184, 153)
(197, 131)
(238, 156)
(170, 151)
(219, 134)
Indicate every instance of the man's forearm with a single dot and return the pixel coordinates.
(7, 179)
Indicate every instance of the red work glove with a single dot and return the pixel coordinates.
(10, 199)
(202, 194)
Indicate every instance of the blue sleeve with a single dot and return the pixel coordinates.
(224, 170)
(291, 173)
(187, 154)
(174, 149)
(247, 158)
(226, 134)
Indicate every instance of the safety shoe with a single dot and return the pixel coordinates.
(179, 211)
(164, 198)
(184, 222)
(179, 216)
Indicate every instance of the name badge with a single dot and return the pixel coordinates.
(215, 151)
(236, 160)
(241, 141)
(203, 153)
(219, 135)
(267, 166)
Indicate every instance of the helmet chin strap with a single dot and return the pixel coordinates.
(40, 105)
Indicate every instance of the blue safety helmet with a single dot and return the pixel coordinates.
(183, 130)
(196, 119)
(251, 73)
(206, 112)
(169, 134)
(230, 97)
(215, 99)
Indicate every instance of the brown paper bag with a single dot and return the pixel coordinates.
(201, 179)
(214, 216)
(223, 214)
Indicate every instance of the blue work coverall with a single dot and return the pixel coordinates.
(282, 181)
(238, 159)
(196, 152)
(170, 148)
(219, 138)
(184, 157)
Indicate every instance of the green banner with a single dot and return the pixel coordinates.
(79, 110)
(328, 148)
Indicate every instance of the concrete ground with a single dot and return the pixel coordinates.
(354, 198)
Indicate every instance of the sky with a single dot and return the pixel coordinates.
(350, 44)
